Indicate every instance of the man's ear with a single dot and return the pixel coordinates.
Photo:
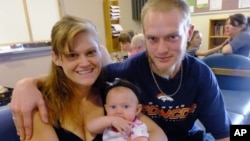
(55, 58)
(190, 32)
(138, 109)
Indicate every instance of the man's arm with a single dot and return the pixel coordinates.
(155, 132)
(25, 99)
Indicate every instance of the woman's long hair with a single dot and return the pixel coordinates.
(58, 90)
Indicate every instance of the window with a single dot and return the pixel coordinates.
(23, 21)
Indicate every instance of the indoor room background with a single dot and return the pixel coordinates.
(11, 71)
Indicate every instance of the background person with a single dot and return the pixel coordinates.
(239, 35)
(177, 89)
(125, 42)
(137, 44)
(122, 102)
(195, 43)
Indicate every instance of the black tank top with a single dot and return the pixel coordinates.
(64, 135)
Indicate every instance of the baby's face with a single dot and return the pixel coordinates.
(122, 101)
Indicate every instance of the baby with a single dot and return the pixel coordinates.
(122, 107)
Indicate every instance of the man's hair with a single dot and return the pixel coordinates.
(138, 40)
(166, 6)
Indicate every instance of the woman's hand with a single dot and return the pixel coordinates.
(26, 98)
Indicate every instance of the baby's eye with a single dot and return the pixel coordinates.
(112, 106)
(125, 106)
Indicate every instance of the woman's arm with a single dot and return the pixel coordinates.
(42, 131)
(212, 50)
(227, 49)
(25, 99)
(155, 132)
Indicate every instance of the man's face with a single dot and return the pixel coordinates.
(166, 37)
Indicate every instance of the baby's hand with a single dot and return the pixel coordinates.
(121, 124)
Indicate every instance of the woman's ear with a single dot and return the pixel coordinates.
(55, 58)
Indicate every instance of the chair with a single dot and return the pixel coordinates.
(233, 75)
(7, 127)
(232, 71)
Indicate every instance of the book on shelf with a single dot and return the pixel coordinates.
(218, 30)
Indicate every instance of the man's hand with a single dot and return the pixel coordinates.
(25, 99)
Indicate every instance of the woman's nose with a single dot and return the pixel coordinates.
(83, 60)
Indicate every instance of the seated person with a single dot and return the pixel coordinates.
(125, 41)
(122, 107)
(137, 44)
(237, 29)
(194, 45)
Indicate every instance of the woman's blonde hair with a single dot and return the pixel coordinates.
(58, 90)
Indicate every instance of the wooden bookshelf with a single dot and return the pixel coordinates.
(112, 39)
(216, 32)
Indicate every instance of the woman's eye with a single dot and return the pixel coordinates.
(92, 52)
(73, 55)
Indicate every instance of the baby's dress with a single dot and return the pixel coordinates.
(139, 129)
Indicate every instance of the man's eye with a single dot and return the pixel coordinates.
(152, 39)
(174, 37)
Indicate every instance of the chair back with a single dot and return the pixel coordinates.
(232, 71)
(7, 128)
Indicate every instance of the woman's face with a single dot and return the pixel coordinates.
(82, 65)
(196, 40)
(231, 30)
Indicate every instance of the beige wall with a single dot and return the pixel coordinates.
(93, 10)
(126, 16)
(88, 9)
(15, 67)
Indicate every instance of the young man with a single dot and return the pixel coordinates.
(176, 89)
